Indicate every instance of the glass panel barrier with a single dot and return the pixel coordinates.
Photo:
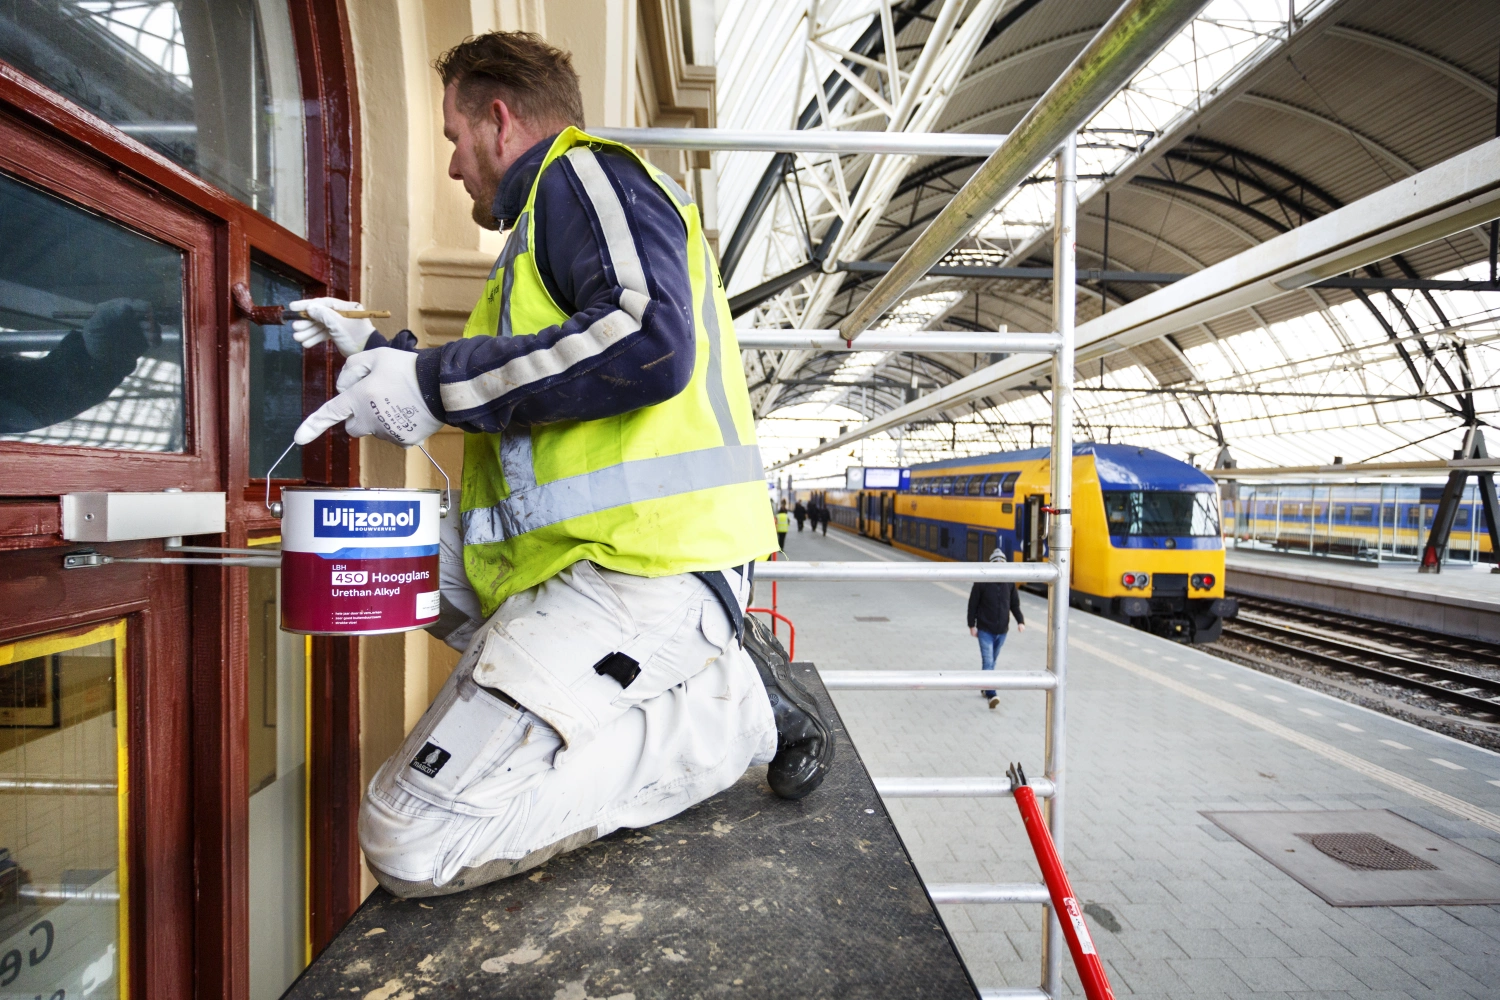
(90, 328)
(210, 84)
(278, 678)
(63, 832)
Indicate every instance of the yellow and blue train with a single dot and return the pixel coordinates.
(1147, 547)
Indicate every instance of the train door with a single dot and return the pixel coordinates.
(1031, 528)
(973, 546)
(887, 515)
(154, 156)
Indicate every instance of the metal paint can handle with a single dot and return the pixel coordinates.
(275, 506)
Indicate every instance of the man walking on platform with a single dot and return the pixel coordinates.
(800, 513)
(783, 525)
(991, 606)
(613, 505)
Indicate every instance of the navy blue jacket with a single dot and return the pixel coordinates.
(650, 363)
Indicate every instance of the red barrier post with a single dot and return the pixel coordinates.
(1069, 911)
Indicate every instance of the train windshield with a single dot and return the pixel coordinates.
(1156, 513)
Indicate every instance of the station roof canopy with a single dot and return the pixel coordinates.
(1247, 125)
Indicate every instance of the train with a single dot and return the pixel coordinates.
(1147, 545)
(1359, 521)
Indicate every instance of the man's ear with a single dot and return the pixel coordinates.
(505, 125)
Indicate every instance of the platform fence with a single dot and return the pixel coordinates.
(1055, 573)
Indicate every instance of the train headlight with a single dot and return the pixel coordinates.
(1204, 581)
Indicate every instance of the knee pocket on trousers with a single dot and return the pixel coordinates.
(474, 754)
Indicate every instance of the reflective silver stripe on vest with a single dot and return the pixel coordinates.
(717, 397)
(514, 247)
(515, 459)
(615, 486)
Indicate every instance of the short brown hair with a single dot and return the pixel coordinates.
(536, 80)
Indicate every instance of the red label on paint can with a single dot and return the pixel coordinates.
(357, 561)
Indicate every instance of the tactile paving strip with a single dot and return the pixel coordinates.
(745, 895)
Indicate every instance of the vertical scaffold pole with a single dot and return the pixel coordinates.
(1060, 538)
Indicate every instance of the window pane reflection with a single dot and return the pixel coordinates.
(62, 798)
(210, 84)
(90, 328)
(275, 380)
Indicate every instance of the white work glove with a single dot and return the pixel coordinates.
(379, 395)
(348, 335)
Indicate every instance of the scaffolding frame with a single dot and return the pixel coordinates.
(1055, 572)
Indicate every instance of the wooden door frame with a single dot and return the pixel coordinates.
(196, 801)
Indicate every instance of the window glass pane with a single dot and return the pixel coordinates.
(278, 793)
(275, 380)
(209, 84)
(1159, 514)
(62, 798)
(90, 328)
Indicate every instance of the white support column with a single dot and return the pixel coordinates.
(1060, 540)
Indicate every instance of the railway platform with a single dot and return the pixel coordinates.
(1169, 748)
(1460, 601)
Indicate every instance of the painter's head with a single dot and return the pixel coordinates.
(503, 92)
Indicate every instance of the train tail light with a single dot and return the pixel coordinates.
(1204, 581)
(1131, 581)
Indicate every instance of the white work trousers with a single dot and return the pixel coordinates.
(482, 788)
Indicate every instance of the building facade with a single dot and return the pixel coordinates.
(179, 779)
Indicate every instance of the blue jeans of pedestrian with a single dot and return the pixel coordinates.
(989, 648)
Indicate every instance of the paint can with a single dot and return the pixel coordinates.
(358, 561)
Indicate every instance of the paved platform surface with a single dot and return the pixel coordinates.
(1460, 600)
(745, 895)
(1158, 734)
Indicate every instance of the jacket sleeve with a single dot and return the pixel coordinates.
(1015, 604)
(613, 245)
(973, 605)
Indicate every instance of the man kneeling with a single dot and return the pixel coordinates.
(612, 509)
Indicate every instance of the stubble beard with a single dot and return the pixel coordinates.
(489, 183)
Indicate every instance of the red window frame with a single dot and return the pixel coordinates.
(47, 140)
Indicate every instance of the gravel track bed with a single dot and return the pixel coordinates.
(1388, 698)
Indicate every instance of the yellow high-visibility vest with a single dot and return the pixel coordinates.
(783, 521)
(677, 487)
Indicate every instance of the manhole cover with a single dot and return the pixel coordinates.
(1366, 857)
(1366, 852)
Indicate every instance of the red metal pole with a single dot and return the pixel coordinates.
(1065, 904)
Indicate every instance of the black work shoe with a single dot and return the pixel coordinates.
(804, 743)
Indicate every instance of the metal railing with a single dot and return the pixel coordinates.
(806, 141)
(1054, 573)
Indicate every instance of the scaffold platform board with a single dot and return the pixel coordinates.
(744, 895)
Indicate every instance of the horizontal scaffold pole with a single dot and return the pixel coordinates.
(949, 788)
(989, 892)
(805, 141)
(953, 572)
(937, 680)
(937, 340)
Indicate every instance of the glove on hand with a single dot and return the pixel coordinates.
(379, 395)
(348, 335)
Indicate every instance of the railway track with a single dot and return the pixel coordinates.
(1439, 667)
(1402, 638)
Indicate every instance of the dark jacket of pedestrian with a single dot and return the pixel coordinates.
(991, 606)
(800, 513)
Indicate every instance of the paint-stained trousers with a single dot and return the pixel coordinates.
(529, 752)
